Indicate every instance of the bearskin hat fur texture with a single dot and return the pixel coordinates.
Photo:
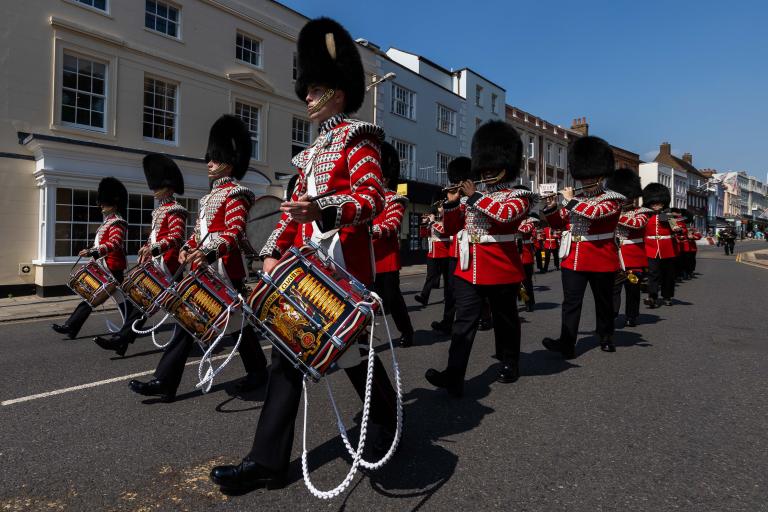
(626, 182)
(162, 172)
(390, 164)
(229, 142)
(590, 157)
(656, 193)
(459, 169)
(327, 55)
(497, 145)
(112, 192)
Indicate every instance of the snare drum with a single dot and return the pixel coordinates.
(93, 282)
(144, 285)
(310, 309)
(202, 303)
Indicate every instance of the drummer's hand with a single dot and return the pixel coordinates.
(567, 193)
(84, 253)
(196, 258)
(183, 255)
(468, 187)
(144, 254)
(269, 264)
(302, 210)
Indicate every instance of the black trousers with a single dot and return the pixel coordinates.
(574, 286)
(729, 246)
(436, 267)
(661, 276)
(273, 441)
(632, 308)
(539, 259)
(691, 262)
(528, 281)
(470, 299)
(83, 310)
(387, 285)
(449, 292)
(548, 254)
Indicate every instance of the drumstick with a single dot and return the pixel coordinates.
(311, 200)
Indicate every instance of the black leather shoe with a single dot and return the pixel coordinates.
(251, 382)
(406, 340)
(246, 476)
(153, 388)
(631, 321)
(529, 306)
(667, 302)
(567, 351)
(443, 379)
(652, 303)
(606, 345)
(485, 325)
(442, 327)
(421, 300)
(64, 329)
(116, 343)
(509, 373)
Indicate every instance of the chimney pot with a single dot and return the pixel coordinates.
(687, 157)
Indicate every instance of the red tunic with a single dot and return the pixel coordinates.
(489, 222)
(345, 158)
(629, 234)
(681, 237)
(551, 238)
(225, 211)
(110, 240)
(386, 233)
(693, 235)
(592, 223)
(439, 241)
(168, 223)
(527, 231)
(659, 239)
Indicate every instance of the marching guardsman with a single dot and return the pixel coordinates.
(224, 215)
(344, 158)
(629, 236)
(169, 219)
(660, 245)
(109, 244)
(537, 241)
(681, 241)
(590, 252)
(385, 232)
(438, 255)
(693, 236)
(527, 230)
(489, 262)
(551, 246)
(459, 169)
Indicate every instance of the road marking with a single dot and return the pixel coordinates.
(99, 383)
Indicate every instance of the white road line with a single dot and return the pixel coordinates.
(98, 383)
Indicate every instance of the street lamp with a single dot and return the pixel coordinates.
(374, 85)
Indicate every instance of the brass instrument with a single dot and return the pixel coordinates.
(523, 295)
(627, 275)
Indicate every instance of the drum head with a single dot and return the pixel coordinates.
(258, 231)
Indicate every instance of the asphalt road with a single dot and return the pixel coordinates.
(674, 420)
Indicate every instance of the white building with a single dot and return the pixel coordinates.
(674, 179)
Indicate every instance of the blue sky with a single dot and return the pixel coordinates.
(691, 73)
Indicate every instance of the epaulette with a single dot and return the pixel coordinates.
(356, 128)
(241, 191)
(610, 194)
(178, 209)
(397, 198)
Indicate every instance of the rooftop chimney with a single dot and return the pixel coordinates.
(687, 157)
(580, 125)
(665, 148)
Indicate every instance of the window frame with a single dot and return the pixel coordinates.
(479, 95)
(178, 23)
(494, 103)
(259, 123)
(531, 147)
(103, 12)
(177, 87)
(105, 96)
(412, 107)
(410, 165)
(252, 38)
(452, 123)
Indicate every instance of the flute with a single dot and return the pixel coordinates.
(576, 189)
(478, 182)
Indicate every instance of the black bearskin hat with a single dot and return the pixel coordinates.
(327, 55)
(459, 169)
(390, 164)
(497, 145)
(626, 182)
(291, 187)
(590, 157)
(229, 142)
(656, 193)
(113, 193)
(162, 172)
(535, 216)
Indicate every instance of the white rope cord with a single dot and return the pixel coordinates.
(110, 326)
(152, 330)
(357, 455)
(398, 388)
(206, 381)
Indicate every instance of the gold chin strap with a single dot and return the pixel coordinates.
(497, 178)
(325, 98)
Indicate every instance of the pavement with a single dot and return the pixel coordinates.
(674, 420)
